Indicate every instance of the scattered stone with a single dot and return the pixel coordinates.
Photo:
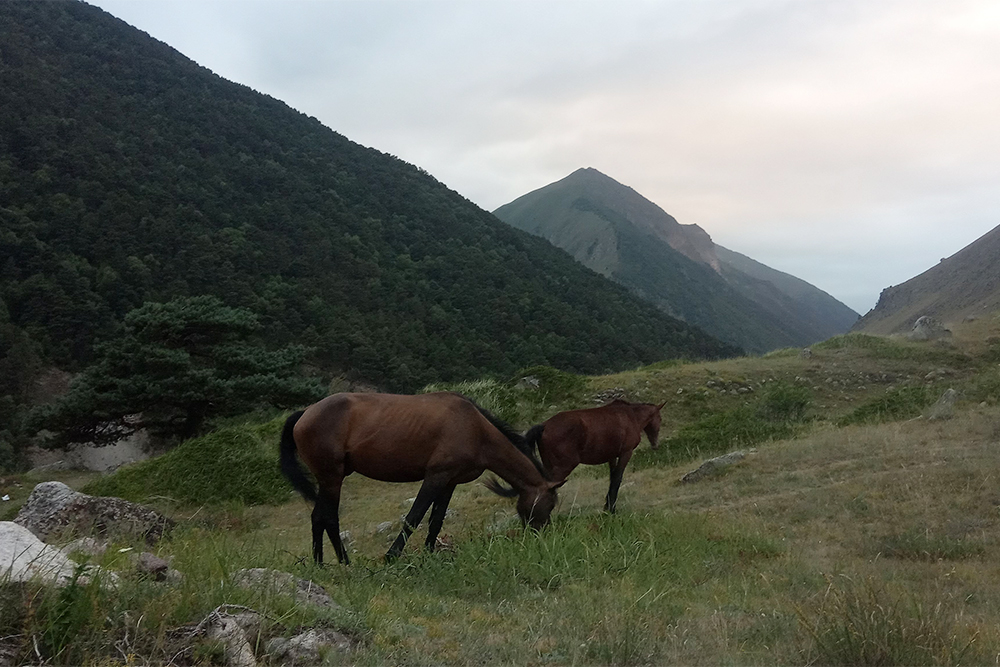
(928, 328)
(806, 353)
(55, 510)
(383, 527)
(308, 648)
(944, 408)
(528, 382)
(609, 395)
(712, 466)
(147, 563)
(304, 591)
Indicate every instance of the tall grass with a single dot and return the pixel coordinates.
(523, 399)
(867, 624)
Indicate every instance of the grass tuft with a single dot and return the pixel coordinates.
(865, 624)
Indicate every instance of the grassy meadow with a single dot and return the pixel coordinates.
(855, 531)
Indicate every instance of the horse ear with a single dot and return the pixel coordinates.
(660, 406)
(555, 485)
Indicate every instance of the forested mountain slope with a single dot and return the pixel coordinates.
(616, 231)
(129, 173)
(967, 284)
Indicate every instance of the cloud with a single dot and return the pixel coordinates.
(844, 141)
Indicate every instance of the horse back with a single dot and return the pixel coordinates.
(390, 437)
(597, 435)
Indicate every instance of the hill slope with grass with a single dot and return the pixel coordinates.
(967, 284)
(129, 173)
(617, 232)
(855, 531)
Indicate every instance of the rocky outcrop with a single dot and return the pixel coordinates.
(712, 466)
(55, 510)
(928, 328)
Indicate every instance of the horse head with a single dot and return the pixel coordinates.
(652, 427)
(535, 504)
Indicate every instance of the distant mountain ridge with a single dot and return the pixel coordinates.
(967, 284)
(619, 233)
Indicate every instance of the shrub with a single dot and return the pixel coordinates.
(896, 404)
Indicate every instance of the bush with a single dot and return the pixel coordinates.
(237, 463)
(896, 404)
(779, 413)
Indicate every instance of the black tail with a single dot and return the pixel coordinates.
(291, 467)
(533, 437)
(496, 487)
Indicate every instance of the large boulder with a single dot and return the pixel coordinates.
(24, 557)
(268, 581)
(55, 511)
(928, 328)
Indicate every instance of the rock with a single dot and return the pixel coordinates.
(928, 328)
(712, 466)
(276, 581)
(225, 629)
(54, 510)
(309, 648)
(24, 557)
(806, 353)
(88, 546)
(383, 527)
(147, 563)
(944, 408)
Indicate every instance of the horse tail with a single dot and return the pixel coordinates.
(291, 467)
(533, 437)
(496, 487)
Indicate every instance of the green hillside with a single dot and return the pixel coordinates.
(128, 174)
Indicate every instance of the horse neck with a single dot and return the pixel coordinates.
(642, 413)
(503, 458)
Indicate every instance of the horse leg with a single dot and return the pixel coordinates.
(430, 490)
(326, 516)
(617, 469)
(437, 515)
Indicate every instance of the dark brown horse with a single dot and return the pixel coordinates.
(443, 439)
(607, 434)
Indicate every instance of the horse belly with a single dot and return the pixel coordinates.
(604, 445)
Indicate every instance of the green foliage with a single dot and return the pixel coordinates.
(525, 397)
(779, 413)
(236, 463)
(173, 366)
(898, 403)
(865, 624)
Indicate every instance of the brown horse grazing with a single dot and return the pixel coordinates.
(443, 439)
(607, 434)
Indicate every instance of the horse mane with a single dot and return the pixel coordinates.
(508, 431)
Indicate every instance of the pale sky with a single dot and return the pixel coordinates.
(851, 143)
